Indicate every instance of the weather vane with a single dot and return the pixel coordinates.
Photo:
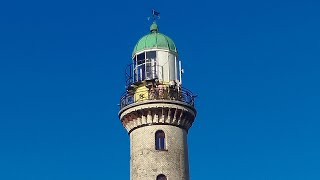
(155, 15)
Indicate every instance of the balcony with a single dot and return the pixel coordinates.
(157, 93)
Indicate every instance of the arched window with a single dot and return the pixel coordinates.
(161, 177)
(160, 140)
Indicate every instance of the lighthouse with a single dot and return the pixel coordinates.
(156, 110)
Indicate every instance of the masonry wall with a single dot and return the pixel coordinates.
(147, 163)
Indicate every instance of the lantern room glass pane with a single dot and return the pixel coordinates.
(151, 65)
(139, 67)
(141, 56)
(151, 55)
(145, 66)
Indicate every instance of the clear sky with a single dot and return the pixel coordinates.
(254, 65)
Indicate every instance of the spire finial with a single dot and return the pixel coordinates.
(154, 27)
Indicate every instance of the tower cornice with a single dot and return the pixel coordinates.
(157, 112)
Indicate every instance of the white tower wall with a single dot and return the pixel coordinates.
(167, 62)
(172, 70)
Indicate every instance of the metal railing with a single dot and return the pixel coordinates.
(157, 93)
(144, 71)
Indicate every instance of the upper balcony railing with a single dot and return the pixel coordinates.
(146, 69)
(157, 93)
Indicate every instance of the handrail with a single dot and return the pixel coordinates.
(157, 93)
(150, 71)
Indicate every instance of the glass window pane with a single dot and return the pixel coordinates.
(151, 55)
(141, 56)
(148, 69)
(160, 140)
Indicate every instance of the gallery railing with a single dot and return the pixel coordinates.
(145, 71)
(158, 93)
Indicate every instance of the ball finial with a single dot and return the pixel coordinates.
(154, 27)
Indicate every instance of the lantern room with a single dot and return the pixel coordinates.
(154, 58)
(155, 72)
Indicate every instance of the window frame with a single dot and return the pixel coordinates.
(145, 66)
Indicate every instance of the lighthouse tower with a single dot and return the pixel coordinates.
(156, 110)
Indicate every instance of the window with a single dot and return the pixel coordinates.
(160, 140)
(139, 68)
(148, 69)
(141, 56)
(161, 177)
(145, 66)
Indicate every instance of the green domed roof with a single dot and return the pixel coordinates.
(154, 40)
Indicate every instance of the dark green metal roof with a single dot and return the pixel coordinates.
(154, 40)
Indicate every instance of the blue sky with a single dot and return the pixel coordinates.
(254, 64)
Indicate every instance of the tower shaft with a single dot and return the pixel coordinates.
(151, 156)
(147, 163)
